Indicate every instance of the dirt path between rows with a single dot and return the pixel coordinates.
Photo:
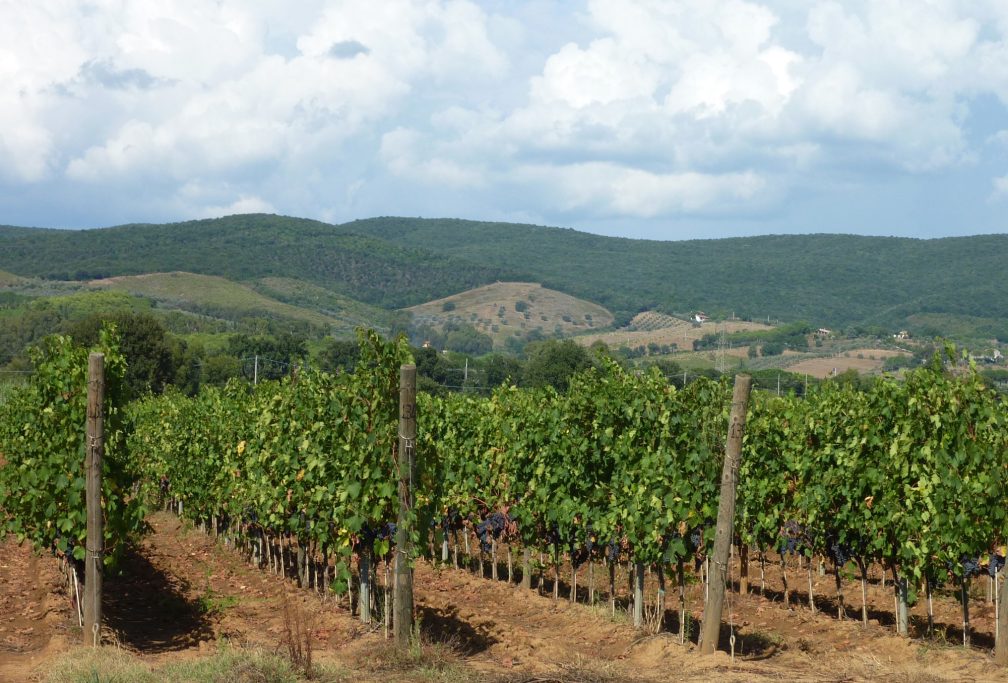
(182, 593)
(36, 618)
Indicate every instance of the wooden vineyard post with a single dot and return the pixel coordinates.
(93, 454)
(743, 569)
(637, 579)
(526, 582)
(1001, 627)
(902, 607)
(711, 626)
(402, 603)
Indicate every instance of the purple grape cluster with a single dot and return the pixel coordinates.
(996, 564)
(792, 538)
(491, 528)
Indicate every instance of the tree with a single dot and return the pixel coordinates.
(498, 369)
(218, 369)
(144, 343)
(276, 356)
(465, 338)
(553, 362)
(338, 355)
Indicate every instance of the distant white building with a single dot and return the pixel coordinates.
(700, 317)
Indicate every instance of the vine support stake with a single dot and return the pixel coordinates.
(638, 594)
(1001, 646)
(93, 454)
(402, 610)
(711, 627)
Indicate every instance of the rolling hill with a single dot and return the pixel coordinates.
(244, 248)
(209, 295)
(506, 309)
(833, 280)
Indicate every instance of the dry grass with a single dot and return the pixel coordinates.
(207, 291)
(10, 279)
(227, 665)
(299, 630)
(865, 361)
(573, 673)
(679, 332)
(492, 310)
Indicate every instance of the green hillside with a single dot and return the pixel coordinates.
(834, 280)
(210, 295)
(349, 312)
(247, 247)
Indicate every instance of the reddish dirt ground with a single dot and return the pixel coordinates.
(181, 592)
(35, 612)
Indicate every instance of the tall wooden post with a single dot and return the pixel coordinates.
(93, 453)
(402, 603)
(711, 627)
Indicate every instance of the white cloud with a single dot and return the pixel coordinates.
(243, 204)
(648, 109)
(406, 153)
(616, 190)
(1000, 188)
(214, 101)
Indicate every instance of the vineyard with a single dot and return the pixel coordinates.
(606, 494)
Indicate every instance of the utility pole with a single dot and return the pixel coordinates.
(255, 371)
(721, 351)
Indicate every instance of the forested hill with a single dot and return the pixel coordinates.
(247, 247)
(830, 278)
(826, 279)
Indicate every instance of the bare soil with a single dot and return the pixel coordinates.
(679, 332)
(181, 593)
(865, 361)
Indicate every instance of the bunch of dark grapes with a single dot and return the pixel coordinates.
(580, 554)
(792, 538)
(366, 537)
(369, 534)
(839, 553)
(387, 531)
(491, 528)
(970, 566)
(696, 540)
(613, 551)
(995, 565)
(250, 516)
(452, 521)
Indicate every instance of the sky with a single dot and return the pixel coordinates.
(659, 119)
